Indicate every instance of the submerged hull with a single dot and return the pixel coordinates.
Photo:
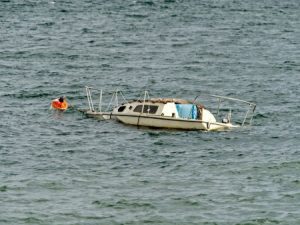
(98, 115)
(171, 123)
(160, 121)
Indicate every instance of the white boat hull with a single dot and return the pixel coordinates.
(99, 115)
(171, 123)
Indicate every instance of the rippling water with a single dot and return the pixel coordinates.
(64, 168)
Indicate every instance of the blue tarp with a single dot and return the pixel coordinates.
(187, 111)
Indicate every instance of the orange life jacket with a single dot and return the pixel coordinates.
(56, 104)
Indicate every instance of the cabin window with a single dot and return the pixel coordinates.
(147, 109)
(121, 108)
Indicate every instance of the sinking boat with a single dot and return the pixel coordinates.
(170, 113)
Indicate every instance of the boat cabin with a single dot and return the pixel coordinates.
(165, 107)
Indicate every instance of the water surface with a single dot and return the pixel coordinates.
(64, 168)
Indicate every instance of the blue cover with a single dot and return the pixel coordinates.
(187, 111)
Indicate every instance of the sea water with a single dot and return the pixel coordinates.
(65, 168)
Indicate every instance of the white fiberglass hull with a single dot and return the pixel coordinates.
(99, 115)
(171, 123)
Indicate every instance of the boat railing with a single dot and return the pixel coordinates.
(248, 114)
(114, 101)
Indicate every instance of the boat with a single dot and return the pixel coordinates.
(166, 113)
(60, 104)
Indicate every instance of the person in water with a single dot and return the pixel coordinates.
(60, 103)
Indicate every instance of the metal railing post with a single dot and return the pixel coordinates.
(100, 101)
(245, 117)
(88, 97)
